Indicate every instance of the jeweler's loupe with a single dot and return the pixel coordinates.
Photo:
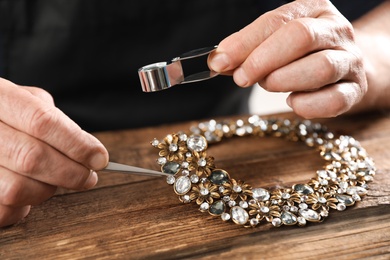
(163, 75)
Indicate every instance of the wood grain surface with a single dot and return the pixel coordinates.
(139, 217)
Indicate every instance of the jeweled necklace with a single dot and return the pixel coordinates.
(340, 183)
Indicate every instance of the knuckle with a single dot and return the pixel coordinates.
(11, 194)
(28, 157)
(41, 121)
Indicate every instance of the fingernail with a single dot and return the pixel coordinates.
(98, 161)
(240, 77)
(288, 101)
(219, 62)
(92, 180)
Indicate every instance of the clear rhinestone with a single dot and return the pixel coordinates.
(185, 172)
(310, 215)
(239, 215)
(323, 182)
(254, 222)
(204, 206)
(286, 207)
(324, 213)
(356, 197)
(341, 206)
(186, 199)
(221, 189)
(277, 222)
(301, 221)
(356, 190)
(204, 191)
(225, 216)
(202, 162)
(185, 165)
(243, 204)
(264, 209)
(294, 209)
(346, 199)
(288, 218)
(322, 200)
(161, 160)
(260, 194)
(303, 189)
(303, 206)
(232, 203)
(226, 198)
(171, 179)
(182, 137)
(155, 142)
(182, 185)
(285, 196)
(173, 147)
(237, 188)
(196, 143)
(188, 154)
(194, 178)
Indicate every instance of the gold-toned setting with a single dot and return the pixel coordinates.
(340, 183)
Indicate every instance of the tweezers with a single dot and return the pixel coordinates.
(123, 168)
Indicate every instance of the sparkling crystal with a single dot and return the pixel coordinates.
(324, 213)
(341, 206)
(264, 209)
(345, 199)
(294, 209)
(254, 222)
(194, 178)
(155, 142)
(188, 154)
(185, 172)
(173, 147)
(221, 189)
(321, 200)
(343, 184)
(219, 177)
(301, 221)
(182, 137)
(243, 204)
(232, 203)
(303, 189)
(288, 218)
(237, 188)
(170, 179)
(286, 207)
(260, 194)
(186, 199)
(277, 222)
(196, 143)
(161, 160)
(204, 191)
(356, 190)
(356, 197)
(285, 196)
(226, 198)
(323, 182)
(239, 215)
(225, 216)
(182, 185)
(171, 168)
(202, 162)
(217, 208)
(310, 215)
(185, 165)
(204, 206)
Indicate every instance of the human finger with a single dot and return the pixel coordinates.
(42, 120)
(11, 215)
(40, 93)
(28, 156)
(19, 191)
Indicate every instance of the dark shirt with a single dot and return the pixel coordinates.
(87, 53)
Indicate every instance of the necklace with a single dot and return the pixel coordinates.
(340, 183)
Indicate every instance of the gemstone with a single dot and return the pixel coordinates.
(155, 142)
(202, 162)
(243, 204)
(225, 216)
(196, 143)
(232, 203)
(217, 208)
(226, 198)
(310, 215)
(277, 222)
(303, 189)
(264, 209)
(237, 188)
(185, 165)
(221, 189)
(173, 147)
(260, 194)
(186, 198)
(254, 222)
(356, 190)
(288, 218)
(303, 206)
(194, 178)
(345, 199)
(204, 191)
(322, 200)
(185, 172)
(170, 168)
(219, 177)
(204, 206)
(286, 196)
(341, 206)
(161, 160)
(239, 215)
(301, 221)
(182, 185)
(170, 179)
(294, 209)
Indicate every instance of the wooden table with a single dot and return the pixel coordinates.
(140, 217)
